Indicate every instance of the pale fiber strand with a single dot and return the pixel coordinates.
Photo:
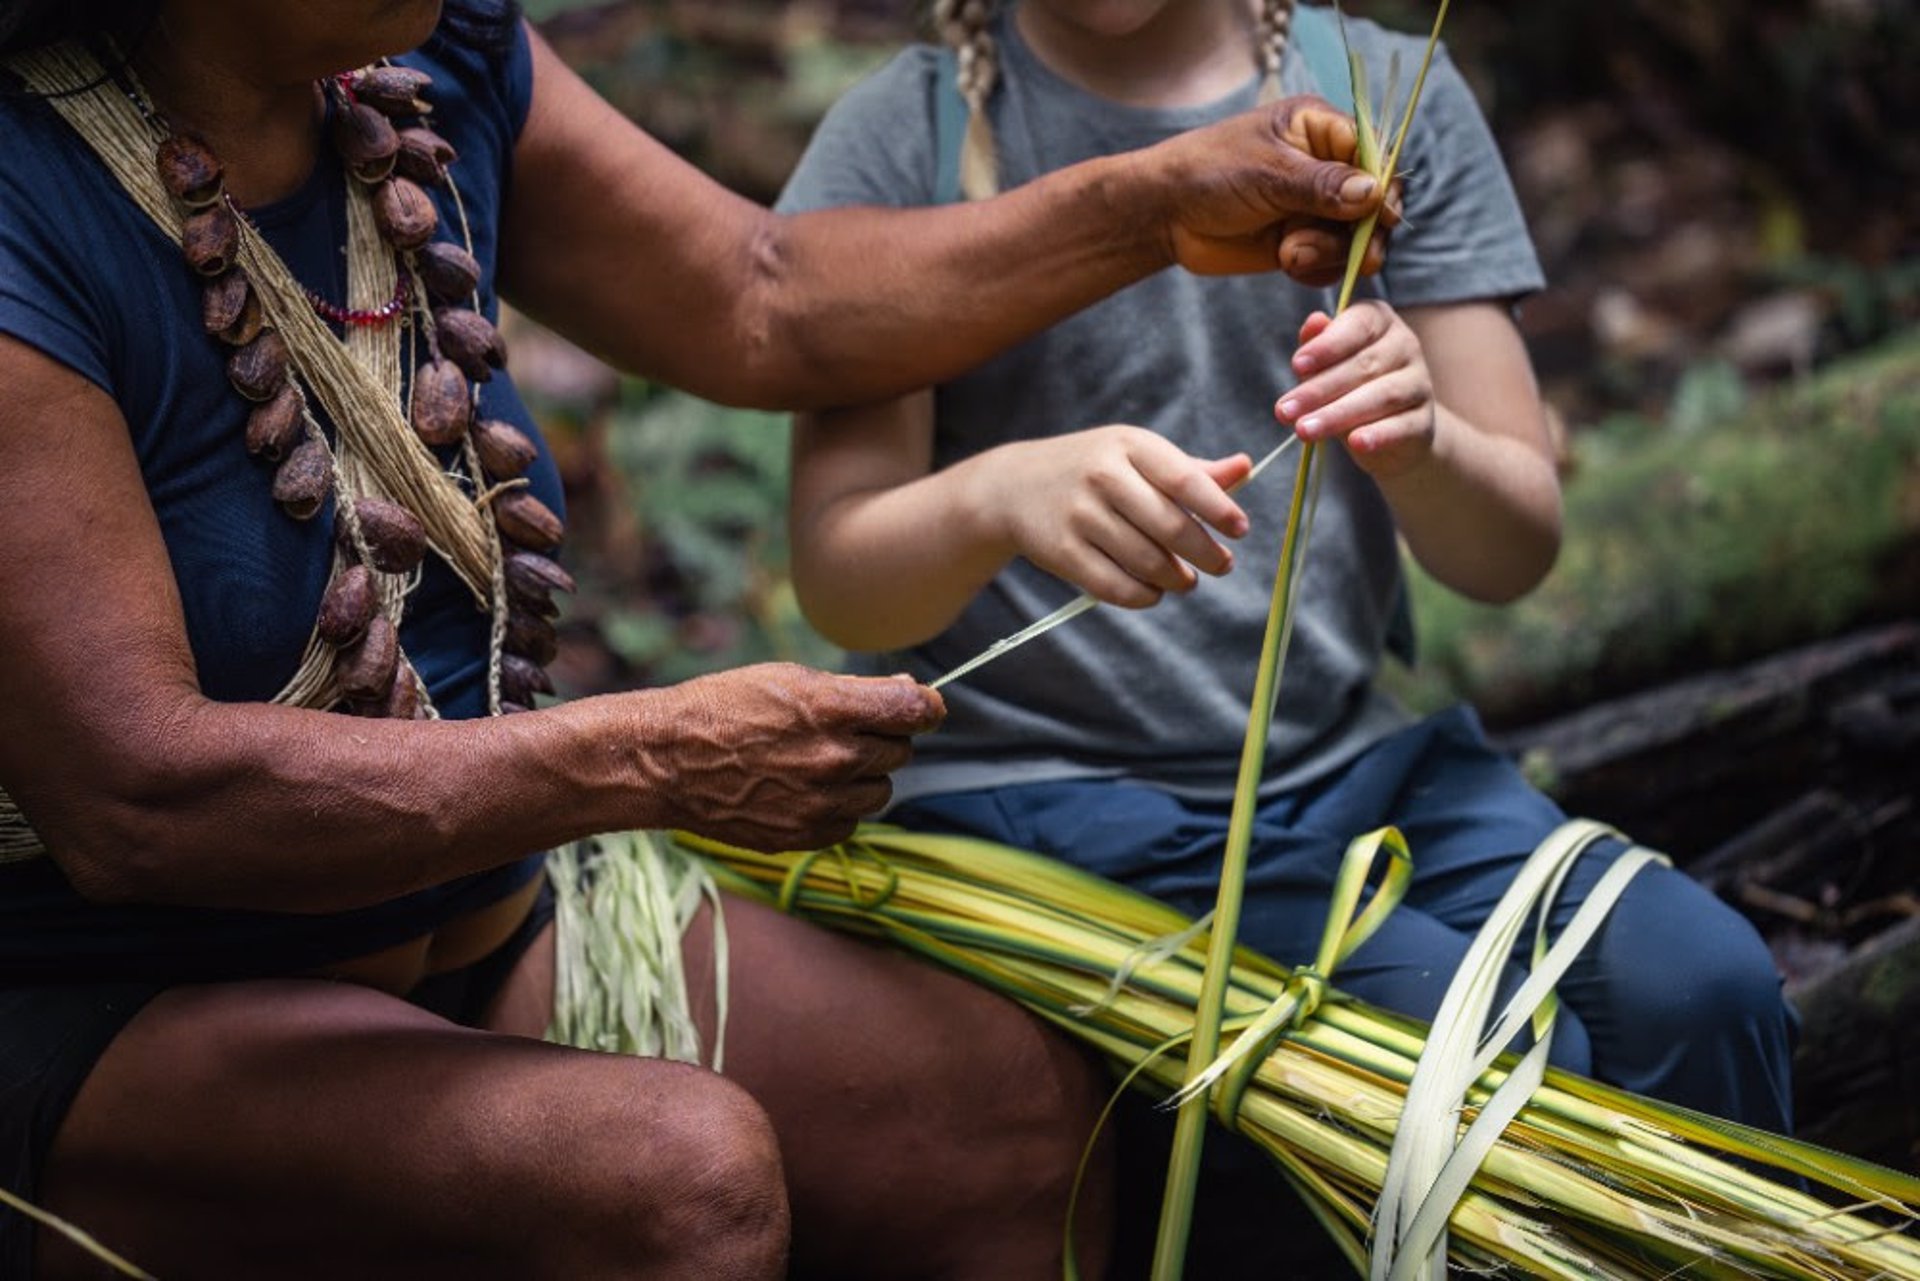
(496, 644)
(1082, 603)
(622, 903)
(376, 452)
(365, 415)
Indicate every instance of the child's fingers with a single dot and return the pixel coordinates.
(1381, 444)
(1182, 483)
(1358, 327)
(1140, 553)
(1229, 471)
(1164, 520)
(1373, 401)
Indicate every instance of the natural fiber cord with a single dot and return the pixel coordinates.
(357, 383)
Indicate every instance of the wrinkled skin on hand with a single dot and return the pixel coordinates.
(783, 757)
(1275, 185)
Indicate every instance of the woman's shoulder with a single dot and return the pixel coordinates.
(68, 239)
(482, 84)
(38, 146)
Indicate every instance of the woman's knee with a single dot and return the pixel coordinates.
(633, 1167)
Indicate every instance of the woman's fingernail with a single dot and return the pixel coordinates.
(1357, 188)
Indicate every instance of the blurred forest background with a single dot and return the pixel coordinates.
(1726, 196)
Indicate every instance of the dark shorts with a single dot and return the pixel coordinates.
(51, 1035)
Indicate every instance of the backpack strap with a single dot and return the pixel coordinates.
(1316, 34)
(949, 127)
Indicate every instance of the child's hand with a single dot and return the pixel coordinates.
(1117, 510)
(1364, 381)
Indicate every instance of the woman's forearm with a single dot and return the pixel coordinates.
(259, 806)
(251, 805)
(614, 241)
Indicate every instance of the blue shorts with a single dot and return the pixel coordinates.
(1677, 997)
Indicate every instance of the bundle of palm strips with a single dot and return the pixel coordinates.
(1585, 1181)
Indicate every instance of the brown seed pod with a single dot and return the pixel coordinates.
(229, 309)
(531, 637)
(450, 273)
(348, 606)
(532, 580)
(274, 427)
(366, 668)
(441, 406)
(302, 482)
(404, 213)
(222, 301)
(259, 370)
(424, 156)
(366, 141)
(210, 237)
(470, 341)
(403, 696)
(394, 90)
(520, 680)
(190, 171)
(525, 520)
(396, 540)
(505, 452)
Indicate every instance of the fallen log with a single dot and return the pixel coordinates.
(1857, 1068)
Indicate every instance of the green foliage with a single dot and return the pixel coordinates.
(1689, 543)
(710, 487)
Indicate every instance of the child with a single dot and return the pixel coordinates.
(928, 527)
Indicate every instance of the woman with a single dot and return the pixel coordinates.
(269, 974)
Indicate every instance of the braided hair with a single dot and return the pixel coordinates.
(965, 27)
(1276, 23)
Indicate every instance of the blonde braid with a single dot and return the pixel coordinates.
(964, 27)
(1276, 21)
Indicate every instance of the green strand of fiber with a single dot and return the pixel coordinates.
(1183, 1166)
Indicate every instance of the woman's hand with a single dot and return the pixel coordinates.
(1276, 186)
(1364, 382)
(1120, 511)
(778, 756)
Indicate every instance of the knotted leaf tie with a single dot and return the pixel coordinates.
(1347, 927)
(844, 854)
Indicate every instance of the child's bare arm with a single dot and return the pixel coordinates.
(887, 553)
(1440, 406)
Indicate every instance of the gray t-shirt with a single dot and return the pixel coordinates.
(1161, 695)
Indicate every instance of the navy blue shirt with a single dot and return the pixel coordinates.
(90, 280)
